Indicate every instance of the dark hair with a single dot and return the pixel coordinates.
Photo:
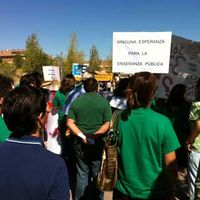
(27, 80)
(38, 78)
(90, 85)
(141, 88)
(6, 84)
(197, 90)
(177, 95)
(45, 92)
(31, 79)
(121, 87)
(21, 109)
(67, 84)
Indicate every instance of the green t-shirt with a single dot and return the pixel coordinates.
(145, 136)
(59, 101)
(4, 132)
(90, 111)
(194, 116)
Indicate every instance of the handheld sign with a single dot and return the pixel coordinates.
(51, 73)
(141, 51)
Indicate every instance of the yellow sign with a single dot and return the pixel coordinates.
(103, 77)
(98, 77)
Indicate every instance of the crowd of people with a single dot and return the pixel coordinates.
(155, 139)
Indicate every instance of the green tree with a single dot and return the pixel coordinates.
(7, 69)
(108, 61)
(18, 61)
(35, 57)
(73, 54)
(94, 61)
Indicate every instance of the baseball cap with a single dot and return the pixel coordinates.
(87, 75)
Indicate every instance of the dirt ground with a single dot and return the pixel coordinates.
(182, 187)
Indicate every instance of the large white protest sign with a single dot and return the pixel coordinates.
(141, 51)
(51, 73)
(184, 68)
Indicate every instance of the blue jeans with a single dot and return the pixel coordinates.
(88, 158)
(193, 165)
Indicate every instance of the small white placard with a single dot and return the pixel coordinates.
(51, 73)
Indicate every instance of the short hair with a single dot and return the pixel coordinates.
(90, 85)
(6, 84)
(38, 78)
(21, 109)
(67, 83)
(141, 88)
(31, 79)
(27, 80)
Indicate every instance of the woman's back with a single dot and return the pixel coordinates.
(144, 136)
(146, 145)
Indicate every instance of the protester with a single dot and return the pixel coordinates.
(177, 110)
(76, 92)
(6, 85)
(109, 86)
(193, 142)
(118, 100)
(146, 146)
(28, 170)
(88, 118)
(67, 84)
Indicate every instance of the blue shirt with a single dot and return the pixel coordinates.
(75, 93)
(29, 171)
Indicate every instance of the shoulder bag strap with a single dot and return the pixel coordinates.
(114, 123)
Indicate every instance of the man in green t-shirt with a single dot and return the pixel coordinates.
(88, 118)
(6, 85)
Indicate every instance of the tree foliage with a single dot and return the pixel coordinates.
(109, 63)
(18, 61)
(94, 61)
(7, 69)
(73, 54)
(35, 57)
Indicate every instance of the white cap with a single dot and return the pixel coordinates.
(87, 75)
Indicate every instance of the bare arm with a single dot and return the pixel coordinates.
(171, 173)
(195, 130)
(103, 129)
(74, 128)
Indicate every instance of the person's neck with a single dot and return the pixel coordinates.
(37, 133)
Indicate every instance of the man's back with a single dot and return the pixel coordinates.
(29, 171)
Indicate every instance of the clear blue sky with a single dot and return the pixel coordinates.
(94, 21)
